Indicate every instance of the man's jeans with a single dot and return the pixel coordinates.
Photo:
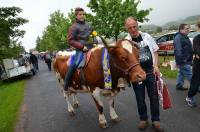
(184, 70)
(195, 81)
(139, 89)
(72, 68)
(35, 67)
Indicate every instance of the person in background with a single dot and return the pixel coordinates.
(183, 55)
(148, 57)
(21, 60)
(47, 59)
(34, 62)
(195, 81)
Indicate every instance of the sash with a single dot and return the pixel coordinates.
(106, 69)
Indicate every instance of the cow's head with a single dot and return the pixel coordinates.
(125, 55)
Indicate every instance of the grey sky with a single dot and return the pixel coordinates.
(38, 11)
(168, 10)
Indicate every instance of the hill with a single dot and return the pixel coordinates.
(189, 20)
(172, 25)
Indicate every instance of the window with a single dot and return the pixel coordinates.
(162, 39)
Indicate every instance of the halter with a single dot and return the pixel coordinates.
(126, 71)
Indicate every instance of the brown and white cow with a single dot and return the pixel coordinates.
(124, 62)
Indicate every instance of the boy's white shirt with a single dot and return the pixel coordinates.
(149, 41)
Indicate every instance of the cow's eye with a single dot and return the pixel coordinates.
(124, 59)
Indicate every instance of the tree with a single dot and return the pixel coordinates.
(54, 36)
(173, 27)
(109, 15)
(9, 32)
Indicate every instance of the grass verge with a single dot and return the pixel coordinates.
(11, 96)
(166, 71)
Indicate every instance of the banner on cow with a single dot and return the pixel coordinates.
(106, 69)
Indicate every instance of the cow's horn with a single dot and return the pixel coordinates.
(106, 44)
(104, 41)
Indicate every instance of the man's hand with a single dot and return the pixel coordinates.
(85, 49)
(156, 70)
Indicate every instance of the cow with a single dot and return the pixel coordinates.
(124, 62)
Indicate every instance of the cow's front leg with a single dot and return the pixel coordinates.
(97, 98)
(69, 106)
(115, 118)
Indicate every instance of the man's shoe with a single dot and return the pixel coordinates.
(143, 125)
(191, 102)
(157, 127)
(181, 88)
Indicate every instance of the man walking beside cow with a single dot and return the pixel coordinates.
(148, 57)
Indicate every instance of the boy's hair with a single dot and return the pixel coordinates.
(78, 9)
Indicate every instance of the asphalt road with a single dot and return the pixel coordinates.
(45, 110)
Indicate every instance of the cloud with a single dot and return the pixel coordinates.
(169, 10)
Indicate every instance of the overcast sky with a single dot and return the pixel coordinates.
(38, 11)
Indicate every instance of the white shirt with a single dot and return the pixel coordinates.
(147, 39)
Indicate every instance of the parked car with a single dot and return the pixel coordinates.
(165, 42)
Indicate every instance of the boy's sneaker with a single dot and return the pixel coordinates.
(191, 102)
(181, 88)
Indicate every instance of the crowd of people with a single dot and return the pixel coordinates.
(33, 59)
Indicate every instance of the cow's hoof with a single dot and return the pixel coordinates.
(116, 120)
(72, 113)
(103, 125)
(76, 106)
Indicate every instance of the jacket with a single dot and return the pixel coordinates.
(196, 47)
(182, 49)
(78, 34)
